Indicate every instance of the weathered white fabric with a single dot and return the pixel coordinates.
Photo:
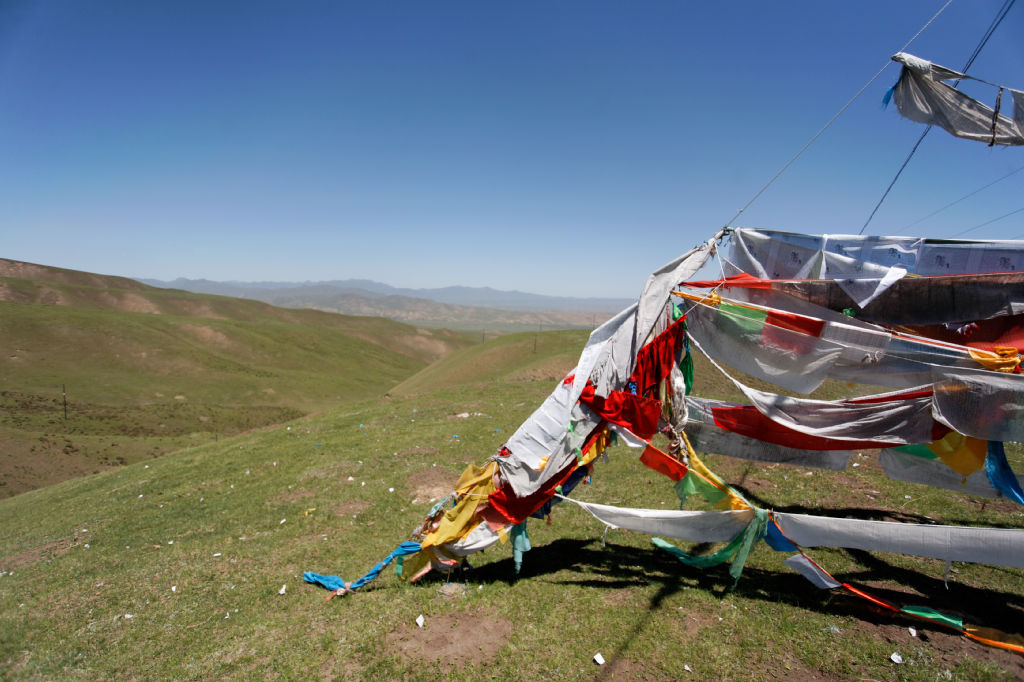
(783, 357)
(545, 431)
(996, 546)
(888, 419)
(662, 281)
(900, 466)
(607, 360)
(691, 526)
(980, 403)
(706, 436)
(526, 479)
(476, 540)
(806, 568)
(772, 254)
(903, 421)
(869, 354)
(921, 96)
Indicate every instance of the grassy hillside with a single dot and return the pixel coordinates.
(174, 568)
(527, 356)
(146, 371)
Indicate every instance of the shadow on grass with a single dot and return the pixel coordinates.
(586, 563)
(862, 513)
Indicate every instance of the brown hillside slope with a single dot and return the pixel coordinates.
(148, 371)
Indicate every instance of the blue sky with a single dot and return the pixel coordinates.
(566, 148)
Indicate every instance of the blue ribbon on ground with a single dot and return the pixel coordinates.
(330, 582)
(333, 582)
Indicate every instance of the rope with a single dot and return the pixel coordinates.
(837, 115)
(988, 222)
(1000, 15)
(966, 196)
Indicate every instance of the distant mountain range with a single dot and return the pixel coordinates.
(455, 307)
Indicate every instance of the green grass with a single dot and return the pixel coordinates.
(147, 371)
(62, 612)
(78, 557)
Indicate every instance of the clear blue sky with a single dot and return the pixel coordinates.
(565, 148)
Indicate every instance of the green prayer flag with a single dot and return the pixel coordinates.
(691, 484)
(932, 614)
(919, 450)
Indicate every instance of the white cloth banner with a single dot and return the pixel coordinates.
(921, 96)
(996, 546)
(780, 356)
(899, 466)
(691, 526)
(980, 403)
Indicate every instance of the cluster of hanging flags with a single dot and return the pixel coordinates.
(940, 322)
(792, 310)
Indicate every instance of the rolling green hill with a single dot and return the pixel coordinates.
(148, 370)
(190, 566)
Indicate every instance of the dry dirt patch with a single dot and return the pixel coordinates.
(294, 495)
(206, 334)
(430, 484)
(48, 550)
(134, 303)
(621, 669)
(946, 647)
(351, 507)
(452, 638)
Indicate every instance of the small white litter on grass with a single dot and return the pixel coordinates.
(174, 588)
(128, 616)
(913, 631)
(598, 658)
(283, 589)
(896, 658)
(282, 521)
(217, 554)
(391, 490)
(420, 620)
(687, 668)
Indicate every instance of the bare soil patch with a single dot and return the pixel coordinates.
(947, 647)
(430, 484)
(433, 349)
(206, 335)
(351, 507)
(134, 303)
(452, 638)
(294, 495)
(622, 669)
(48, 550)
